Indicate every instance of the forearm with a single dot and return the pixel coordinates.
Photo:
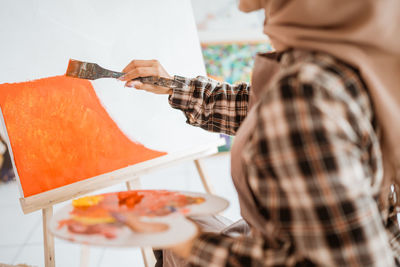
(211, 105)
(211, 249)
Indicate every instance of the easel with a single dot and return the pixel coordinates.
(129, 175)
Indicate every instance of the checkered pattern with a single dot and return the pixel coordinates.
(311, 163)
(211, 105)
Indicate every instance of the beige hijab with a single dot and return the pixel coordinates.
(364, 33)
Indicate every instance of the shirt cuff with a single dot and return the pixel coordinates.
(181, 96)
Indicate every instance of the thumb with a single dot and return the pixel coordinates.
(136, 225)
(135, 84)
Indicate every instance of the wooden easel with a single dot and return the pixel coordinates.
(129, 175)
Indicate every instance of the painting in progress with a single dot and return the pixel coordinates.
(157, 217)
(60, 133)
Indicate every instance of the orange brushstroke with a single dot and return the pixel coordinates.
(60, 134)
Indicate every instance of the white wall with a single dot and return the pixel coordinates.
(222, 21)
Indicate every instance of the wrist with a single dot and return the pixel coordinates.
(182, 80)
(183, 249)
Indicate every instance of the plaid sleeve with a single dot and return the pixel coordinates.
(213, 250)
(305, 165)
(211, 105)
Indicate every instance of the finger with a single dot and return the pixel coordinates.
(140, 63)
(142, 86)
(148, 227)
(140, 72)
(133, 83)
(137, 63)
(153, 88)
(134, 222)
(163, 91)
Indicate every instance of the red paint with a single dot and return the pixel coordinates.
(60, 134)
(129, 198)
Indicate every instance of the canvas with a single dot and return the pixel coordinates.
(60, 134)
(65, 132)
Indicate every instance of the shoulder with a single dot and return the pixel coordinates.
(319, 93)
(318, 77)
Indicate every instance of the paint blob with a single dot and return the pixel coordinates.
(60, 134)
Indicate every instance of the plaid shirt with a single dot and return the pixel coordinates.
(311, 164)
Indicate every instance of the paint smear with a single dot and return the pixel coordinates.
(60, 134)
(96, 214)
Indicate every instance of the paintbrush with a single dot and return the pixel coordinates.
(92, 71)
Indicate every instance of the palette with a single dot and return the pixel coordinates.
(96, 220)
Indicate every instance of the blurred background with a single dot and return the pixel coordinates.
(229, 40)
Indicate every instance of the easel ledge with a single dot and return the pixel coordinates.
(68, 192)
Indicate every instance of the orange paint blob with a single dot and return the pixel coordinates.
(60, 134)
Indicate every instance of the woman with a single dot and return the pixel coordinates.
(310, 134)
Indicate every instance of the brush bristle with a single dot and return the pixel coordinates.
(74, 67)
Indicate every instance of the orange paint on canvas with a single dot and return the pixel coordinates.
(60, 134)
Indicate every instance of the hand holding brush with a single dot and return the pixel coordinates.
(146, 75)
